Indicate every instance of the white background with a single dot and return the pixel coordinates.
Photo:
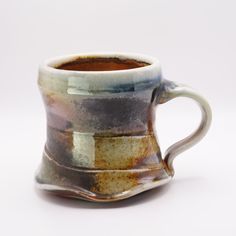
(196, 44)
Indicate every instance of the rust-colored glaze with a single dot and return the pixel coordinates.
(110, 183)
(102, 184)
(101, 64)
(124, 152)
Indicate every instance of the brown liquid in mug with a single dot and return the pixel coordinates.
(101, 64)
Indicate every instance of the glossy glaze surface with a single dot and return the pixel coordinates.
(101, 140)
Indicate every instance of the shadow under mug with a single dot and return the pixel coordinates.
(101, 140)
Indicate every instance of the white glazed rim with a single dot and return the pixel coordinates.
(86, 82)
(50, 64)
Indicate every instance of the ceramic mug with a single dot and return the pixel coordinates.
(101, 140)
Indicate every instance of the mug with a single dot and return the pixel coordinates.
(101, 141)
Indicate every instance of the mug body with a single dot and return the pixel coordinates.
(101, 140)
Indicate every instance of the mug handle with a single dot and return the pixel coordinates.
(170, 90)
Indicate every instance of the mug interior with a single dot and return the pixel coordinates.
(101, 64)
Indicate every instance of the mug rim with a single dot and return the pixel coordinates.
(51, 63)
(90, 82)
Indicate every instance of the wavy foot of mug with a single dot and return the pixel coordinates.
(98, 185)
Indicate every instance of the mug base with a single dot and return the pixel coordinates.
(98, 185)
